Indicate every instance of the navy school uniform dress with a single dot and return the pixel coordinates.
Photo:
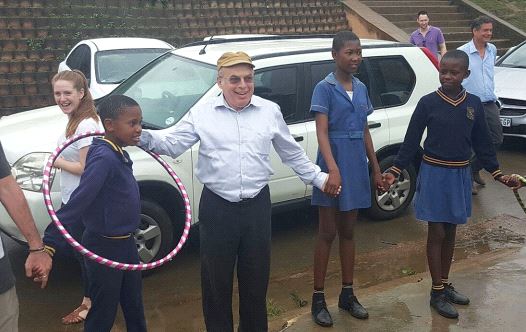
(108, 200)
(347, 121)
(454, 127)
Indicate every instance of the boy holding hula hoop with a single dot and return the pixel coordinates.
(108, 200)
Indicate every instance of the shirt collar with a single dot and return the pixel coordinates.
(116, 148)
(331, 79)
(220, 102)
(473, 49)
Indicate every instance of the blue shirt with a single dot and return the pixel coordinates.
(480, 81)
(234, 149)
(107, 198)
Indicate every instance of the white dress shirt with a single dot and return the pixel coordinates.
(234, 151)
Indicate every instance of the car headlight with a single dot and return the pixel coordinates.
(29, 171)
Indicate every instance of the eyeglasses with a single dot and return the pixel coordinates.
(236, 79)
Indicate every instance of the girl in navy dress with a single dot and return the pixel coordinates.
(455, 124)
(341, 104)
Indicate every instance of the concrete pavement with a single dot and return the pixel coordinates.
(494, 281)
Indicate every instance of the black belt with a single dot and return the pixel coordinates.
(488, 102)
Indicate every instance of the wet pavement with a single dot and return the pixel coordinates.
(389, 265)
(494, 282)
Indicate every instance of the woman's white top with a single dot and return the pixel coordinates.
(69, 181)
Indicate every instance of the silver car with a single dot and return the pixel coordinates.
(510, 87)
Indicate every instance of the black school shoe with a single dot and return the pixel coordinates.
(319, 311)
(455, 297)
(350, 303)
(440, 303)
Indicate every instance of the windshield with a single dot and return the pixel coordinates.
(516, 59)
(167, 88)
(113, 67)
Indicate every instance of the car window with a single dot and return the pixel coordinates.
(393, 80)
(516, 59)
(167, 88)
(318, 71)
(80, 58)
(279, 85)
(114, 66)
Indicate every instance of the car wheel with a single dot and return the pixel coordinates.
(394, 202)
(154, 236)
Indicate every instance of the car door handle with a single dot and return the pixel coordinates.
(372, 125)
(298, 138)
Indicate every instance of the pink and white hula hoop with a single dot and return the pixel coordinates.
(77, 246)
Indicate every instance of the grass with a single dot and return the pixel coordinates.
(273, 309)
(512, 11)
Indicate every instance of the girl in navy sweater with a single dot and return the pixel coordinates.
(455, 124)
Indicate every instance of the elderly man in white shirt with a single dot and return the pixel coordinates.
(236, 131)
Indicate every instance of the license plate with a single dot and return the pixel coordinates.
(506, 122)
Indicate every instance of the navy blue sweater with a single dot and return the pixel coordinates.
(107, 199)
(454, 128)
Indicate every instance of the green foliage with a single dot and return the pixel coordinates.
(408, 271)
(273, 309)
(512, 11)
(35, 43)
(300, 302)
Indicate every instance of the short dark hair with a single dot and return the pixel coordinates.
(458, 55)
(341, 38)
(422, 12)
(113, 106)
(477, 23)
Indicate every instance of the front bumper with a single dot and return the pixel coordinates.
(513, 117)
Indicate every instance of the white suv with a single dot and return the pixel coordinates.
(287, 69)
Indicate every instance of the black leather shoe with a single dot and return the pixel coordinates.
(320, 313)
(350, 303)
(440, 303)
(478, 179)
(455, 297)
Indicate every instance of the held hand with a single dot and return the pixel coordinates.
(334, 184)
(38, 265)
(388, 179)
(508, 181)
(378, 180)
(516, 182)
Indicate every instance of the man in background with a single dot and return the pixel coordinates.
(482, 55)
(428, 36)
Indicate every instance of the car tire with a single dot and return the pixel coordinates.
(394, 202)
(154, 236)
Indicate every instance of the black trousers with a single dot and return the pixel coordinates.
(233, 233)
(492, 115)
(109, 287)
(76, 230)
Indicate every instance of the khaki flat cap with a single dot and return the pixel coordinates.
(229, 59)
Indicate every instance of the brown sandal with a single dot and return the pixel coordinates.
(76, 316)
